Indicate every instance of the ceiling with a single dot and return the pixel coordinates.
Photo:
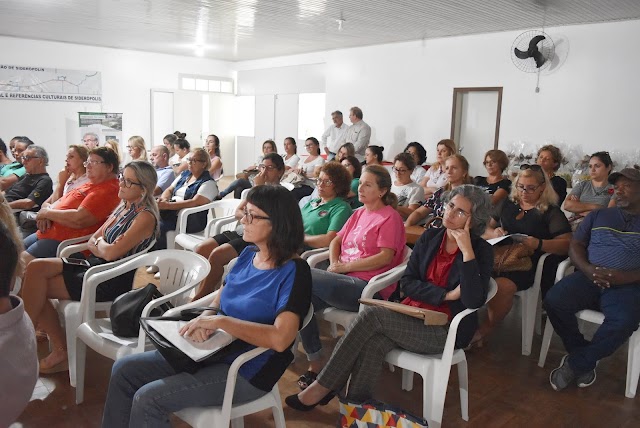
(237, 30)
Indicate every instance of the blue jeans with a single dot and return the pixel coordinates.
(620, 305)
(329, 289)
(144, 390)
(41, 248)
(236, 186)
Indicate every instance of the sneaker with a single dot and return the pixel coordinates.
(587, 379)
(563, 376)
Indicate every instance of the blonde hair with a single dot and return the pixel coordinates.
(138, 142)
(547, 197)
(465, 166)
(9, 220)
(450, 145)
(203, 154)
(113, 145)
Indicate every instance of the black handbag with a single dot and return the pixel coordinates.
(177, 359)
(126, 310)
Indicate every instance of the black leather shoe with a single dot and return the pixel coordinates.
(294, 402)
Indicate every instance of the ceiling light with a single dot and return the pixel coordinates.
(340, 23)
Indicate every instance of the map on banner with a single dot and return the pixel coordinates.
(49, 84)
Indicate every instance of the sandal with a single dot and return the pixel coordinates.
(307, 379)
(61, 366)
(41, 336)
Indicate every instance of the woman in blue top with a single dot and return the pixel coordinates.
(265, 298)
(131, 228)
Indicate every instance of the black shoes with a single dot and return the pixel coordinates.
(294, 402)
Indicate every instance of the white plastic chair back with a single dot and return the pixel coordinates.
(223, 217)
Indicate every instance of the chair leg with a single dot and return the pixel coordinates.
(529, 304)
(463, 381)
(633, 365)
(407, 380)
(237, 422)
(72, 323)
(546, 341)
(334, 330)
(278, 416)
(434, 391)
(80, 354)
(538, 317)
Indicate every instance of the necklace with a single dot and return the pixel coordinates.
(604, 189)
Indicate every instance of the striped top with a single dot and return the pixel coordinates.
(612, 237)
(114, 230)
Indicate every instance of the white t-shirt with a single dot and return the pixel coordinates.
(175, 159)
(292, 162)
(418, 174)
(73, 184)
(437, 177)
(208, 189)
(309, 168)
(409, 194)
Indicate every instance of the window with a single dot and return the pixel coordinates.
(206, 84)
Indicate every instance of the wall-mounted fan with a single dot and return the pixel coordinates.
(532, 51)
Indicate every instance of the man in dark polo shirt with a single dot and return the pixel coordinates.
(605, 251)
(33, 188)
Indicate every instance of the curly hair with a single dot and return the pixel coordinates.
(340, 177)
(556, 154)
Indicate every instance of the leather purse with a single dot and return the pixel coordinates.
(126, 310)
(514, 257)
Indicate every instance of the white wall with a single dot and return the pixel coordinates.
(127, 78)
(406, 89)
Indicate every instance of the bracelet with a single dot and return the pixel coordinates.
(539, 245)
(98, 239)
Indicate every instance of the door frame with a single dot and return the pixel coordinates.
(462, 91)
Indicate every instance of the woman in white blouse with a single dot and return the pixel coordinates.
(307, 168)
(436, 176)
(290, 157)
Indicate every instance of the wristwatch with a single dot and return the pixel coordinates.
(98, 239)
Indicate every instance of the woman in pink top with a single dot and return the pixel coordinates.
(371, 242)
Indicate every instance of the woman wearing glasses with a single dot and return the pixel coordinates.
(531, 210)
(449, 271)
(130, 229)
(371, 242)
(409, 193)
(137, 149)
(495, 183)
(245, 178)
(264, 301)
(192, 188)
(307, 168)
(78, 212)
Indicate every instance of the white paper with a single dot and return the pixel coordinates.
(195, 350)
(126, 341)
(517, 237)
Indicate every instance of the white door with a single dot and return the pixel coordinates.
(188, 116)
(161, 116)
(265, 123)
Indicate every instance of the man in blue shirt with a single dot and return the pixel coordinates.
(605, 251)
(159, 158)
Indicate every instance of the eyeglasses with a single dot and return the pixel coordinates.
(526, 189)
(89, 140)
(26, 158)
(534, 167)
(267, 167)
(346, 164)
(399, 170)
(320, 182)
(457, 212)
(129, 147)
(490, 162)
(92, 163)
(192, 161)
(250, 217)
(127, 183)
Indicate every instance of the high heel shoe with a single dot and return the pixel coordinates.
(294, 402)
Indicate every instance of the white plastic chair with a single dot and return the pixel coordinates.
(531, 307)
(181, 223)
(435, 370)
(379, 282)
(595, 317)
(180, 272)
(71, 312)
(224, 213)
(200, 417)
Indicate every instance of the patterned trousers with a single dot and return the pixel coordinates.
(361, 351)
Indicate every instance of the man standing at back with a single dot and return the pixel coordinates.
(358, 133)
(90, 140)
(605, 251)
(334, 135)
(159, 158)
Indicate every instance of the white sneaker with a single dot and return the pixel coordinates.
(153, 269)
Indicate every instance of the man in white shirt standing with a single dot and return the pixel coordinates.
(334, 135)
(358, 133)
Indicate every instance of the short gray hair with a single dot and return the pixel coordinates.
(480, 205)
(40, 152)
(93, 135)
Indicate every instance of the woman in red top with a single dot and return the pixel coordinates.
(449, 271)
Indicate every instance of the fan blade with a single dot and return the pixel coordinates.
(533, 44)
(521, 54)
(539, 58)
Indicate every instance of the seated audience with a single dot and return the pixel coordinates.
(115, 146)
(449, 271)
(550, 158)
(79, 212)
(19, 368)
(307, 168)
(212, 145)
(4, 159)
(192, 188)
(371, 242)
(169, 140)
(457, 174)
(265, 299)
(74, 173)
(531, 210)
(605, 252)
(244, 179)
(130, 229)
(410, 194)
(159, 158)
(137, 149)
(35, 187)
(347, 149)
(436, 177)
(355, 169)
(495, 183)
(373, 155)
(419, 155)
(290, 157)
(14, 171)
(593, 194)
(180, 160)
